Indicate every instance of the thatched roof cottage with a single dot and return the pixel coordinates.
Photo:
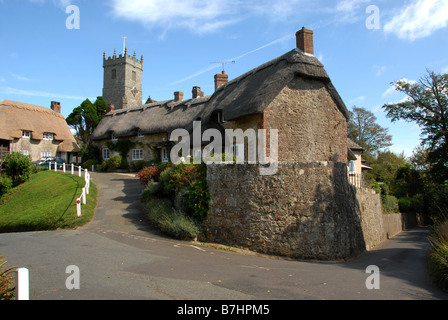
(36, 131)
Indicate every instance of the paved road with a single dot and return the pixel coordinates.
(120, 257)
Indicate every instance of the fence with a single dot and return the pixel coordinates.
(82, 200)
(356, 180)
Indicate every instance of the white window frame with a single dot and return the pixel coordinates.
(45, 154)
(113, 137)
(48, 136)
(164, 154)
(26, 134)
(137, 154)
(139, 134)
(106, 154)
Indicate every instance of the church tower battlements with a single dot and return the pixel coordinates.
(123, 77)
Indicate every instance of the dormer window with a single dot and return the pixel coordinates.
(113, 136)
(220, 117)
(139, 133)
(48, 136)
(26, 134)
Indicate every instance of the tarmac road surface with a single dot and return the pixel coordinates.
(120, 258)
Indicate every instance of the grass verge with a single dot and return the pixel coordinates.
(46, 202)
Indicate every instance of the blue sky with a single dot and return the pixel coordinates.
(42, 60)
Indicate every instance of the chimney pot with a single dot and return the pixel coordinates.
(178, 96)
(305, 41)
(197, 92)
(56, 106)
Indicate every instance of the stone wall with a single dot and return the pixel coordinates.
(371, 215)
(305, 211)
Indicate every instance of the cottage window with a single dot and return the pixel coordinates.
(48, 136)
(106, 154)
(140, 134)
(165, 157)
(352, 168)
(26, 134)
(114, 138)
(137, 154)
(45, 154)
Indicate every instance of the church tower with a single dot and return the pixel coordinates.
(123, 76)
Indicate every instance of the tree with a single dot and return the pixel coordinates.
(86, 117)
(427, 105)
(363, 129)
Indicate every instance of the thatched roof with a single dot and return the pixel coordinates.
(16, 117)
(252, 92)
(157, 117)
(248, 94)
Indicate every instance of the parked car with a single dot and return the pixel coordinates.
(46, 161)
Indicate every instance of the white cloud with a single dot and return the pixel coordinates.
(419, 19)
(379, 70)
(391, 90)
(350, 10)
(33, 93)
(200, 16)
(19, 77)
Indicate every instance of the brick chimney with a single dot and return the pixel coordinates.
(305, 42)
(221, 79)
(110, 108)
(178, 96)
(56, 106)
(197, 92)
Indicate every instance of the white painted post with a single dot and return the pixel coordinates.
(84, 200)
(78, 208)
(49, 165)
(93, 167)
(22, 284)
(63, 167)
(79, 170)
(73, 168)
(55, 166)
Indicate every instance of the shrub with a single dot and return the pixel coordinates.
(6, 282)
(18, 167)
(162, 216)
(438, 259)
(112, 164)
(89, 163)
(197, 200)
(5, 184)
(139, 165)
(390, 204)
(149, 173)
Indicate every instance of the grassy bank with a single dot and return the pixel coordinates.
(438, 260)
(46, 202)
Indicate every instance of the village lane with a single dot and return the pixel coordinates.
(120, 257)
